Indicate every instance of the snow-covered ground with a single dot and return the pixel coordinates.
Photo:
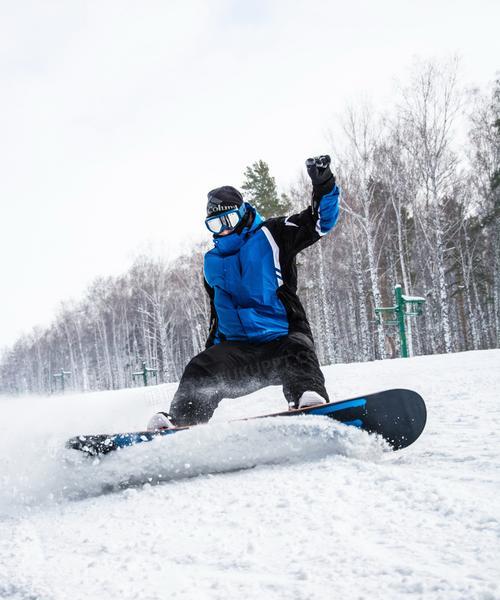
(326, 513)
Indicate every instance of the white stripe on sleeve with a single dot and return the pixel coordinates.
(276, 254)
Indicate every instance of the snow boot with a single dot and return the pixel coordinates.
(310, 399)
(160, 420)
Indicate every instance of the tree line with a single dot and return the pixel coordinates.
(420, 207)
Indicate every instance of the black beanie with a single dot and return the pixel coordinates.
(222, 199)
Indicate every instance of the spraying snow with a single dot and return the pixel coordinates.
(62, 474)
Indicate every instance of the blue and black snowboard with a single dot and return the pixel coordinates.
(397, 415)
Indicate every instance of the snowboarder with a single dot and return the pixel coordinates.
(259, 333)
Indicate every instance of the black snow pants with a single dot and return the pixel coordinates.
(233, 369)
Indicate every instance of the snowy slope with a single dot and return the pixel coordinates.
(330, 515)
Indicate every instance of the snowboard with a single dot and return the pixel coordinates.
(397, 415)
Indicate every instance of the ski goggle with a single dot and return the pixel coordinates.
(225, 221)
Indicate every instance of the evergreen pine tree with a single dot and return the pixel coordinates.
(261, 191)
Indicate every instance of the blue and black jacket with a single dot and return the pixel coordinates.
(251, 276)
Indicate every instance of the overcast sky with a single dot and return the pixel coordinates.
(116, 117)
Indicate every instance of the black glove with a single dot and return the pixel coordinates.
(321, 176)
